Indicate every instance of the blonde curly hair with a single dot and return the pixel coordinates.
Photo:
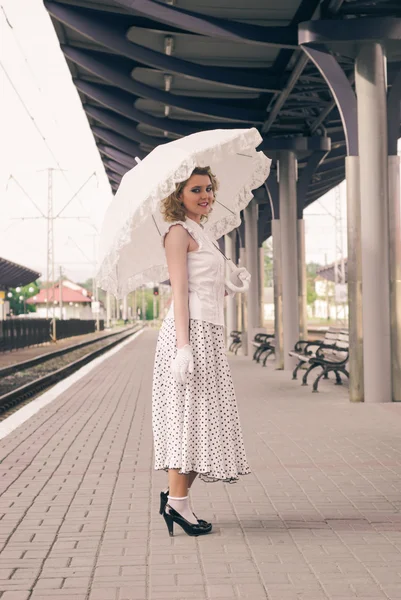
(172, 207)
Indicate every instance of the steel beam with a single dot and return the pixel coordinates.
(231, 302)
(341, 89)
(395, 272)
(121, 144)
(120, 78)
(122, 126)
(121, 158)
(123, 104)
(302, 287)
(356, 384)
(232, 31)
(393, 119)
(278, 294)
(394, 114)
(346, 35)
(114, 166)
(370, 81)
(295, 74)
(113, 176)
(289, 251)
(93, 26)
(251, 241)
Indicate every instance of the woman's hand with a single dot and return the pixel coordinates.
(239, 279)
(182, 364)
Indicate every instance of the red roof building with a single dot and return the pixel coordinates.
(76, 302)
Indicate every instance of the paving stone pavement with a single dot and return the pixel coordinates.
(319, 517)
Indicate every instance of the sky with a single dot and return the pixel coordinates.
(43, 126)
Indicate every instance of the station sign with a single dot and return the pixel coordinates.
(95, 305)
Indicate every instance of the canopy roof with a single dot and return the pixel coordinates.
(328, 271)
(148, 72)
(13, 275)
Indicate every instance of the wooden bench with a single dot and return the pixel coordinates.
(268, 350)
(236, 342)
(261, 341)
(306, 349)
(330, 358)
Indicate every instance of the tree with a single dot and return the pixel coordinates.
(311, 270)
(18, 297)
(268, 262)
(88, 285)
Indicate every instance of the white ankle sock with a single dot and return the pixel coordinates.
(181, 505)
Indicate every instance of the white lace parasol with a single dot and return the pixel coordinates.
(130, 249)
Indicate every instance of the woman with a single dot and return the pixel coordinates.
(195, 420)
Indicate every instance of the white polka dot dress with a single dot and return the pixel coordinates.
(196, 425)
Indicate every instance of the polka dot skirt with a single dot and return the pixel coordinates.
(196, 425)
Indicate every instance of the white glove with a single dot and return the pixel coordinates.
(238, 280)
(182, 364)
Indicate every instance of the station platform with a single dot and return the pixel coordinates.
(319, 518)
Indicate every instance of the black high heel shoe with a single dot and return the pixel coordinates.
(163, 502)
(172, 516)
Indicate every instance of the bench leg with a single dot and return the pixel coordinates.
(238, 346)
(338, 378)
(295, 371)
(318, 378)
(271, 351)
(305, 377)
(259, 354)
(264, 349)
(260, 351)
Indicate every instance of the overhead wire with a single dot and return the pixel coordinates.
(26, 108)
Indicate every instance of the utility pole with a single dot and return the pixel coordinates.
(108, 309)
(50, 250)
(327, 290)
(143, 304)
(95, 294)
(50, 217)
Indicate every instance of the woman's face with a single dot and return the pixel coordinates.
(197, 196)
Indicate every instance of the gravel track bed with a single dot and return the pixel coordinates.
(15, 380)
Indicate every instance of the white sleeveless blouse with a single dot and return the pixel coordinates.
(206, 275)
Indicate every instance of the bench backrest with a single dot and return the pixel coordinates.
(339, 353)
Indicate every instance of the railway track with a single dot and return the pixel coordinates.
(21, 382)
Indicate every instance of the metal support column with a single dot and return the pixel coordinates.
(231, 314)
(261, 286)
(278, 294)
(108, 309)
(302, 291)
(243, 305)
(395, 272)
(251, 241)
(356, 393)
(289, 251)
(125, 308)
(371, 88)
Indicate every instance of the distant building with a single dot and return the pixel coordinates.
(76, 302)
